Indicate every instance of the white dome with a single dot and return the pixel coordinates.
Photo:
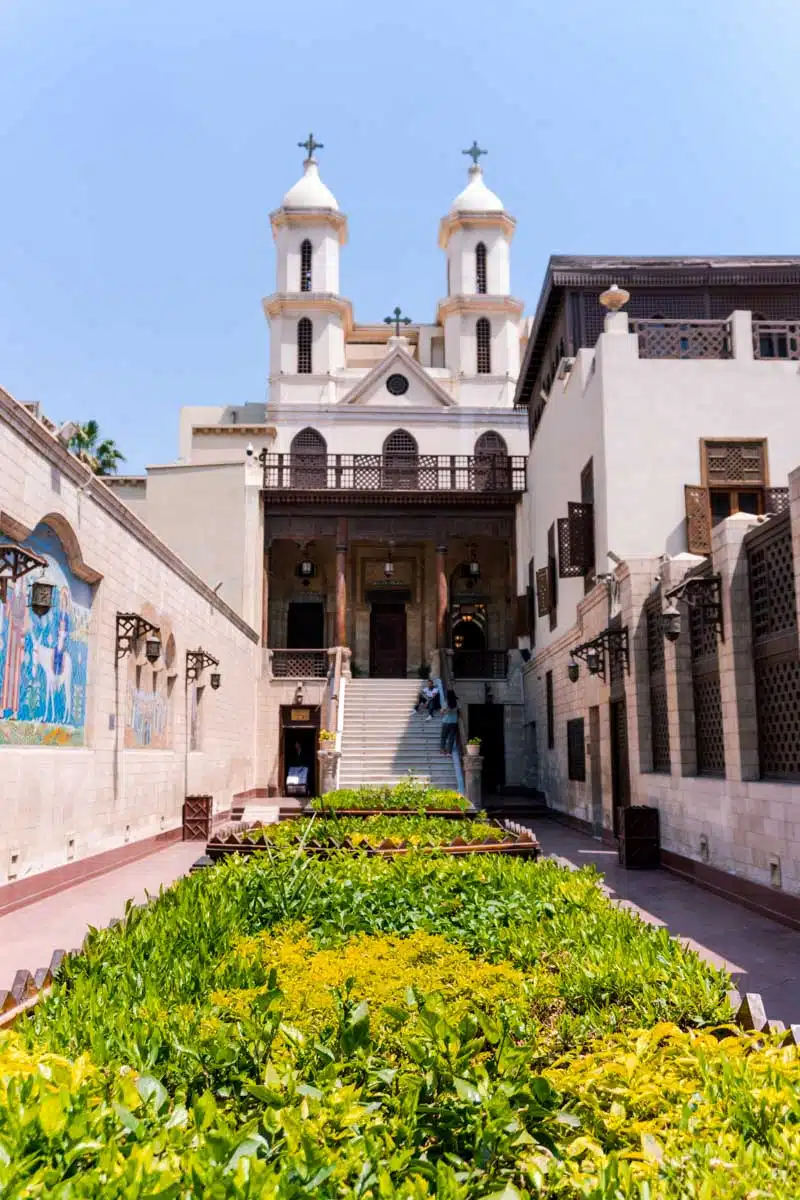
(476, 196)
(310, 191)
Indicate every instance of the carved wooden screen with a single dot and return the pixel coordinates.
(483, 339)
(552, 576)
(698, 519)
(304, 339)
(734, 463)
(305, 266)
(659, 714)
(480, 268)
(707, 695)
(543, 591)
(492, 467)
(400, 460)
(309, 459)
(587, 497)
(773, 615)
(531, 603)
(576, 541)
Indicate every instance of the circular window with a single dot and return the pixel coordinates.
(397, 385)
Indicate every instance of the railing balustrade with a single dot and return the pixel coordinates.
(299, 664)
(683, 339)
(776, 339)
(480, 664)
(395, 473)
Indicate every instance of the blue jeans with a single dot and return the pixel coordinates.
(448, 736)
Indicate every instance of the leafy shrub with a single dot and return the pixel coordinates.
(416, 831)
(411, 793)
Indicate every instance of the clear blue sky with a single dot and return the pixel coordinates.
(143, 146)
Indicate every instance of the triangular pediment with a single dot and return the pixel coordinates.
(422, 391)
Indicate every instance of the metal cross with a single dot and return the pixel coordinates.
(310, 145)
(397, 320)
(474, 152)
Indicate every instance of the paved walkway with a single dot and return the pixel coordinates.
(761, 955)
(29, 935)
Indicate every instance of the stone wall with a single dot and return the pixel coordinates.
(97, 752)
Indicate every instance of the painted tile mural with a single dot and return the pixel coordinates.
(43, 660)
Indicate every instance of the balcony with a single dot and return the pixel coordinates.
(299, 664)
(480, 664)
(683, 339)
(500, 475)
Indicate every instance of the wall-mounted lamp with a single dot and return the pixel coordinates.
(215, 679)
(671, 622)
(594, 660)
(42, 597)
(573, 670)
(130, 629)
(152, 649)
(197, 661)
(388, 566)
(473, 566)
(701, 592)
(16, 561)
(611, 642)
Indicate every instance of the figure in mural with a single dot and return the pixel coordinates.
(43, 658)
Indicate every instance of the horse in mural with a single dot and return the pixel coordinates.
(56, 666)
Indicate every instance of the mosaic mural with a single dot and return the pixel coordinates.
(147, 718)
(43, 659)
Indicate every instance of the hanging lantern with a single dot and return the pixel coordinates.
(215, 679)
(306, 568)
(152, 649)
(388, 566)
(42, 597)
(594, 660)
(671, 622)
(573, 671)
(473, 566)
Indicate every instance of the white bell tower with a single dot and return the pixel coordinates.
(481, 319)
(307, 316)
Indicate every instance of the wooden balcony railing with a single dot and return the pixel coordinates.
(299, 664)
(776, 339)
(395, 472)
(480, 664)
(683, 339)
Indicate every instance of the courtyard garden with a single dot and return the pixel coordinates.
(474, 1027)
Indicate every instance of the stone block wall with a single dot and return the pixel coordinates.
(66, 794)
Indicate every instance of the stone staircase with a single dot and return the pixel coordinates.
(382, 739)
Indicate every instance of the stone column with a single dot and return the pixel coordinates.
(265, 599)
(441, 596)
(341, 583)
(473, 769)
(328, 768)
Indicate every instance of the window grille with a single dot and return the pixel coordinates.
(309, 459)
(726, 463)
(480, 268)
(706, 691)
(552, 575)
(483, 336)
(773, 616)
(659, 714)
(401, 460)
(576, 541)
(491, 463)
(531, 592)
(305, 266)
(576, 750)
(304, 339)
(587, 497)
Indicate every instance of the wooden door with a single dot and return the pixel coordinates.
(387, 641)
(620, 770)
(486, 722)
(595, 774)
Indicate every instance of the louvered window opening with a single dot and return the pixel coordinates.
(483, 338)
(776, 662)
(304, 339)
(551, 722)
(401, 460)
(309, 459)
(480, 269)
(587, 497)
(492, 466)
(576, 541)
(531, 595)
(305, 266)
(552, 576)
(707, 695)
(735, 463)
(659, 711)
(576, 750)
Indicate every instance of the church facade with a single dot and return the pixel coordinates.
(370, 503)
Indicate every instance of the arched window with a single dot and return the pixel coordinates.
(480, 268)
(483, 338)
(305, 266)
(491, 463)
(304, 336)
(400, 460)
(309, 459)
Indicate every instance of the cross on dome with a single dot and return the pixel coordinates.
(475, 152)
(397, 320)
(310, 145)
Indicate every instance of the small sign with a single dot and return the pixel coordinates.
(300, 714)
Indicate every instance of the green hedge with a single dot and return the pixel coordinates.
(409, 794)
(419, 831)
(391, 1028)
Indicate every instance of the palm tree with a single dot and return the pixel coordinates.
(102, 457)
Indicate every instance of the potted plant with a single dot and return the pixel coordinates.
(474, 746)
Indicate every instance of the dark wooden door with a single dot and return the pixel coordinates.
(305, 626)
(486, 722)
(620, 769)
(594, 770)
(387, 641)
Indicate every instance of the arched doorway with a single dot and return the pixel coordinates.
(400, 461)
(491, 463)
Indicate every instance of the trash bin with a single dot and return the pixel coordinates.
(639, 837)
(197, 818)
